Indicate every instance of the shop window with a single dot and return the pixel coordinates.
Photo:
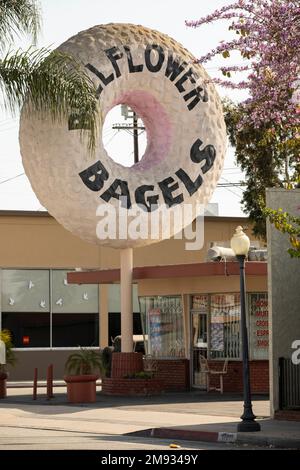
(199, 337)
(114, 308)
(25, 290)
(114, 298)
(25, 305)
(30, 312)
(258, 325)
(114, 325)
(70, 298)
(162, 322)
(75, 329)
(29, 330)
(225, 326)
(75, 318)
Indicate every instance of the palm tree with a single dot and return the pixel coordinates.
(84, 362)
(48, 82)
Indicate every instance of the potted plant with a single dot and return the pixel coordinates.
(83, 367)
(5, 336)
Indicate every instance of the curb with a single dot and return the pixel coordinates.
(221, 437)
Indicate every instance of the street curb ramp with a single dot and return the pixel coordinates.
(253, 439)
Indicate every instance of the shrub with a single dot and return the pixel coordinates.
(6, 337)
(140, 375)
(84, 362)
(107, 359)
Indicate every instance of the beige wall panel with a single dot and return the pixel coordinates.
(42, 242)
(200, 285)
(39, 241)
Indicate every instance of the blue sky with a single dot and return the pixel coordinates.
(64, 18)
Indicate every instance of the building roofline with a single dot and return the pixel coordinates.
(20, 213)
(108, 276)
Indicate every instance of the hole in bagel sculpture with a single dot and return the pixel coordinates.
(118, 135)
(186, 136)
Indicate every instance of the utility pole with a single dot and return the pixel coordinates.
(135, 138)
(128, 113)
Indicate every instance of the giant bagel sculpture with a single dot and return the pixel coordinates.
(182, 113)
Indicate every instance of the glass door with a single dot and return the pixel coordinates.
(199, 338)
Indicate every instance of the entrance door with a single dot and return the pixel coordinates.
(199, 347)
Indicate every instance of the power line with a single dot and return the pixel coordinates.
(12, 178)
(106, 132)
(126, 127)
(233, 185)
(227, 187)
(231, 168)
(241, 183)
(111, 139)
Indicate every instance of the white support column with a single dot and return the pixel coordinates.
(126, 265)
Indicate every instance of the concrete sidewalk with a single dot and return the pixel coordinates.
(193, 416)
(277, 434)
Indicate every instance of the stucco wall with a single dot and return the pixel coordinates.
(284, 289)
(37, 240)
(203, 284)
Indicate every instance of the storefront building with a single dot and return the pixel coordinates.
(185, 307)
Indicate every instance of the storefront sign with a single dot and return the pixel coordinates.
(259, 326)
(186, 136)
(155, 331)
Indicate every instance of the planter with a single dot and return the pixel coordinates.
(81, 388)
(118, 386)
(3, 377)
(126, 363)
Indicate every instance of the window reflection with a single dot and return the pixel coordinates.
(162, 322)
(76, 329)
(29, 330)
(225, 325)
(34, 301)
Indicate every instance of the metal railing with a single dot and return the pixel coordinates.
(289, 384)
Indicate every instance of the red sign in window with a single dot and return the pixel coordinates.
(25, 340)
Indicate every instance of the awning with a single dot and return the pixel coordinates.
(110, 276)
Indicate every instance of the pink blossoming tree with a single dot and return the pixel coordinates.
(269, 41)
(265, 128)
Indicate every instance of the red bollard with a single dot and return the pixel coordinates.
(35, 379)
(50, 382)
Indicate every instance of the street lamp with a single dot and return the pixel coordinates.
(240, 244)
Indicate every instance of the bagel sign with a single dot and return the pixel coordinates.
(154, 61)
(186, 136)
(95, 176)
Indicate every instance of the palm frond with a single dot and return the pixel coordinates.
(84, 362)
(18, 17)
(53, 83)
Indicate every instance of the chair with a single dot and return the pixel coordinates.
(204, 367)
(150, 364)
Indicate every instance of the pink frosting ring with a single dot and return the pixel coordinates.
(157, 124)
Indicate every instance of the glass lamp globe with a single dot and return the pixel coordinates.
(240, 243)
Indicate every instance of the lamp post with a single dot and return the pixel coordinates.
(240, 244)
